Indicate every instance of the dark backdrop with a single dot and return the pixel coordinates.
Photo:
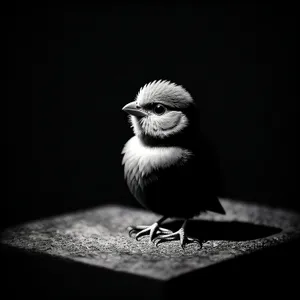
(72, 67)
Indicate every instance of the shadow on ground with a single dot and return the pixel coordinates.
(229, 231)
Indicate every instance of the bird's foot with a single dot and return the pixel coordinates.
(180, 234)
(153, 230)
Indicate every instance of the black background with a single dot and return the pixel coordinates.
(72, 67)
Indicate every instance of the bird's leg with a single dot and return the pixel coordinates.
(153, 229)
(180, 234)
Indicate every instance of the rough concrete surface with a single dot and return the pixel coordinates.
(99, 237)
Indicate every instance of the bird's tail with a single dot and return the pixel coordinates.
(216, 206)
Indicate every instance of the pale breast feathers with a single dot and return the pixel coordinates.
(140, 161)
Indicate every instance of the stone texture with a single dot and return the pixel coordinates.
(99, 238)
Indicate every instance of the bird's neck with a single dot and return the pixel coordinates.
(184, 139)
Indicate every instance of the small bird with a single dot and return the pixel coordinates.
(168, 165)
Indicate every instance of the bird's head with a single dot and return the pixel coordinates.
(161, 110)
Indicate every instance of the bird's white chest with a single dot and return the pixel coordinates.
(141, 161)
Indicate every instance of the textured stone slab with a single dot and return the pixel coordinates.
(99, 238)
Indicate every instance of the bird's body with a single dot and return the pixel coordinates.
(171, 181)
(152, 174)
(169, 167)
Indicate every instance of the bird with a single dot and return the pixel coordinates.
(169, 165)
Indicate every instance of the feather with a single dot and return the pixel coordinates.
(165, 92)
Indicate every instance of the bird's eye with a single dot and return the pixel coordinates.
(159, 109)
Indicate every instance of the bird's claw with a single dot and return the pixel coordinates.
(190, 240)
(184, 240)
(135, 229)
(142, 230)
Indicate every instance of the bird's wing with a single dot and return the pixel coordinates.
(205, 179)
(207, 173)
(185, 189)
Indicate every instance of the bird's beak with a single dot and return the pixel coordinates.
(133, 109)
